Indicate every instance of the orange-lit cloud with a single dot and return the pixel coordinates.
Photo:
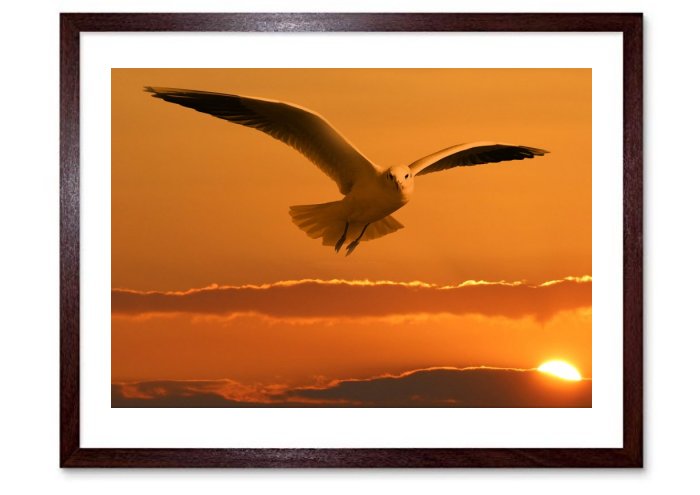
(174, 393)
(203, 391)
(339, 298)
(432, 387)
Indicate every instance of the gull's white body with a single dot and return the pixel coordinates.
(373, 199)
(371, 193)
(364, 212)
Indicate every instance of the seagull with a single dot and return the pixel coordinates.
(371, 193)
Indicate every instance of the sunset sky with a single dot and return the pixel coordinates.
(219, 300)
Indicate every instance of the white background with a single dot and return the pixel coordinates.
(103, 426)
(29, 248)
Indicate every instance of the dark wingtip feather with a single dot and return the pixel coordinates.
(536, 151)
(154, 92)
(162, 93)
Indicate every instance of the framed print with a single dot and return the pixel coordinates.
(351, 240)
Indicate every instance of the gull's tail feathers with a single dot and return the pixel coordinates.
(326, 220)
(382, 227)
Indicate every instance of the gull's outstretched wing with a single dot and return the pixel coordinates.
(463, 155)
(302, 129)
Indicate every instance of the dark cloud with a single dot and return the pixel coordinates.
(192, 400)
(435, 387)
(332, 299)
(440, 387)
(179, 393)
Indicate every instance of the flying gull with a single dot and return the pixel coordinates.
(371, 193)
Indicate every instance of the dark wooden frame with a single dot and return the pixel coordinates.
(72, 455)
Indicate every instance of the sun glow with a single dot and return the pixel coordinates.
(560, 369)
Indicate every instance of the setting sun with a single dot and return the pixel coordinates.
(560, 369)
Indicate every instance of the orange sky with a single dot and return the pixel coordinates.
(198, 201)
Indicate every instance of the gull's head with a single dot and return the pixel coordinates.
(399, 178)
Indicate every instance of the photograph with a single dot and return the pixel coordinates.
(351, 238)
